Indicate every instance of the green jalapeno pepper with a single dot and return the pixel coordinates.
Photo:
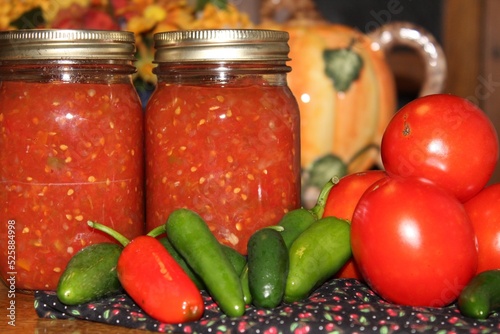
(316, 255)
(297, 221)
(267, 267)
(481, 296)
(192, 238)
(90, 274)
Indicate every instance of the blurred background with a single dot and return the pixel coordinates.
(468, 31)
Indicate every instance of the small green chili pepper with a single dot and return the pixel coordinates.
(481, 296)
(237, 260)
(297, 221)
(245, 286)
(90, 274)
(192, 238)
(316, 255)
(267, 267)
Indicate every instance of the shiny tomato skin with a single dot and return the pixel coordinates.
(413, 242)
(443, 138)
(484, 212)
(344, 195)
(342, 201)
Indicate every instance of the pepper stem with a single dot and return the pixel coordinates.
(109, 231)
(276, 228)
(157, 231)
(319, 208)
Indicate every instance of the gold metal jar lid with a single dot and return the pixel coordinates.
(221, 45)
(51, 44)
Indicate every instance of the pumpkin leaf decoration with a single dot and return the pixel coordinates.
(343, 67)
(324, 168)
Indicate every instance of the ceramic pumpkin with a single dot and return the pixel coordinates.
(344, 86)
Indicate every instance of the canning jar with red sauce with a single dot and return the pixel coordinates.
(71, 148)
(222, 131)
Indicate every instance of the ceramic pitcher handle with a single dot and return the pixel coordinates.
(417, 38)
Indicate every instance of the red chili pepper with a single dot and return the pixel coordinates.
(155, 281)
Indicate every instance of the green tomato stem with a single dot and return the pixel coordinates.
(319, 208)
(109, 231)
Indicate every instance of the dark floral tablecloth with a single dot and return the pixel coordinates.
(338, 306)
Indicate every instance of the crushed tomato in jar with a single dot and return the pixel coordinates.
(229, 153)
(69, 153)
(222, 131)
(71, 148)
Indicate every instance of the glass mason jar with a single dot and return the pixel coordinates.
(71, 148)
(222, 131)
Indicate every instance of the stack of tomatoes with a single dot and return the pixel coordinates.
(426, 224)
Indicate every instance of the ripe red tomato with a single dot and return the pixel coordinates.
(344, 195)
(445, 139)
(413, 242)
(484, 212)
(342, 201)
